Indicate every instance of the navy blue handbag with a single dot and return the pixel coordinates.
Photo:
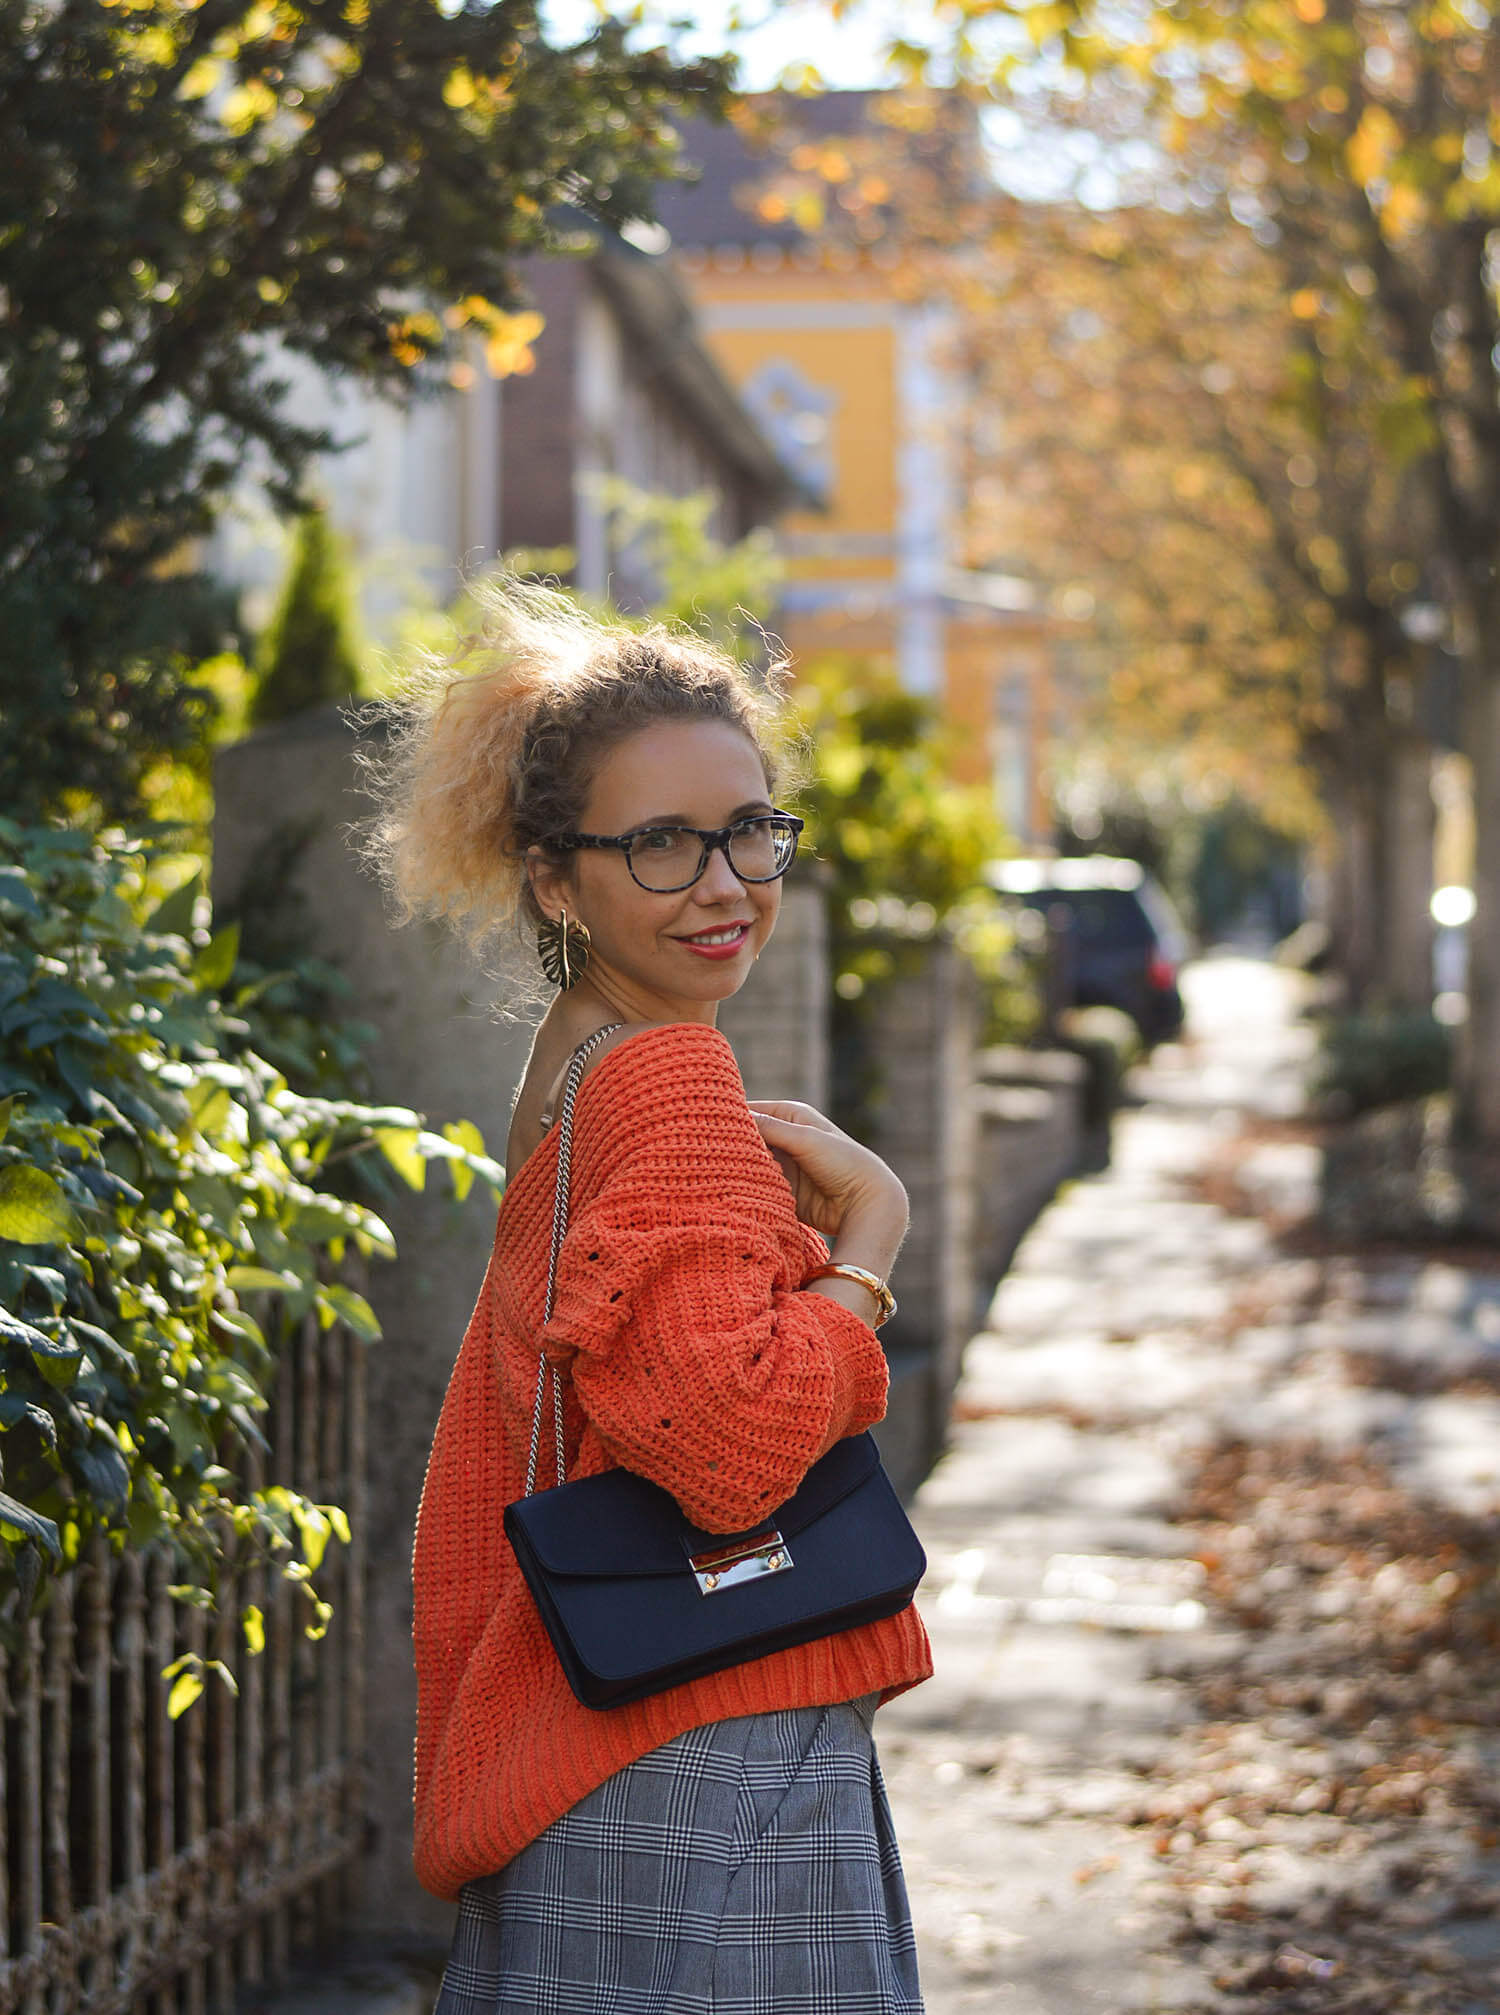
(637, 1599)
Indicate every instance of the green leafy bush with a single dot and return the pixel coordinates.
(1380, 1059)
(904, 844)
(169, 1206)
(904, 848)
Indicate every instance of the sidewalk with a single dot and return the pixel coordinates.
(1114, 1796)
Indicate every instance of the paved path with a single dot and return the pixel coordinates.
(1140, 1320)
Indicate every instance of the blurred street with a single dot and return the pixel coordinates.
(1211, 1587)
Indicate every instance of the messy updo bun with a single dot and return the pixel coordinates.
(492, 749)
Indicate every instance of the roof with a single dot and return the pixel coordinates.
(719, 208)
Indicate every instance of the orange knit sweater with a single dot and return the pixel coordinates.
(695, 1360)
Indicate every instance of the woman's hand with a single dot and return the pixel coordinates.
(842, 1189)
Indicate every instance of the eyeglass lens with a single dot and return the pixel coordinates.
(673, 857)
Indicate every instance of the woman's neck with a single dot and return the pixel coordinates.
(597, 999)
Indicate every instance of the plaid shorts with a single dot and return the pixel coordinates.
(748, 1867)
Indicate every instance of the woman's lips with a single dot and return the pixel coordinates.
(717, 944)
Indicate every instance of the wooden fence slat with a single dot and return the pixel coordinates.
(130, 1658)
(357, 1501)
(97, 1653)
(162, 1752)
(305, 1925)
(334, 1674)
(280, 1624)
(221, 1734)
(96, 1586)
(192, 1807)
(252, 1785)
(29, 1803)
(5, 1718)
(57, 1737)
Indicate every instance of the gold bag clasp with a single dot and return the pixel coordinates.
(721, 1567)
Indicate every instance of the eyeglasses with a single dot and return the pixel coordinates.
(665, 859)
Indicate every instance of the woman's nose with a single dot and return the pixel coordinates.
(718, 882)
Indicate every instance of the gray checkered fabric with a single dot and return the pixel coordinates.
(748, 1868)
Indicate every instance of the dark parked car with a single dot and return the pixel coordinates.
(1116, 937)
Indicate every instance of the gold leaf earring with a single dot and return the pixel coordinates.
(563, 949)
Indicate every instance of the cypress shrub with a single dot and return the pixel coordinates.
(309, 656)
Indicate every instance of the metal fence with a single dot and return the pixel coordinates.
(149, 1867)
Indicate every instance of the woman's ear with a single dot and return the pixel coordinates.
(548, 881)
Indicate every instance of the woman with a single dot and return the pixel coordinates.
(724, 1845)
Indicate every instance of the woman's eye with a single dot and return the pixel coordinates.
(660, 840)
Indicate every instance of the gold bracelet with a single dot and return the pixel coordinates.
(885, 1301)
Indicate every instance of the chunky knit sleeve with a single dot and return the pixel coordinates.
(695, 1355)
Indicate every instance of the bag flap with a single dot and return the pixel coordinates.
(847, 1465)
(619, 1524)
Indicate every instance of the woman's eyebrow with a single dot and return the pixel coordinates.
(682, 819)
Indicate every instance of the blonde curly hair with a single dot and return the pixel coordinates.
(491, 749)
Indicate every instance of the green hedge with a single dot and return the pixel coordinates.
(169, 1206)
(1377, 1059)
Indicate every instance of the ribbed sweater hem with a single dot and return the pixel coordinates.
(560, 1751)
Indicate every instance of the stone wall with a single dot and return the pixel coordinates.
(921, 1037)
(1029, 1106)
(285, 801)
(778, 1021)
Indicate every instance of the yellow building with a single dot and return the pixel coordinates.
(858, 386)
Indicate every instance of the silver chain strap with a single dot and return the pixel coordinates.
(576, 1064)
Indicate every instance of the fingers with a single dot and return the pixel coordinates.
(791, 1112)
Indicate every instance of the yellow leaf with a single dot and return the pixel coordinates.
(458, 91)
(254, 1626)
(154, 45)
(1403, 212)
(185, 1690)
(808, 213)
(508, 353)
(399, 1145)
(314, 1530)
(247, 105)
(1373, 145)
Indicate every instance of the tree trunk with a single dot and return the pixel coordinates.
(1477, 1108)
(1354, 888)
(1402, 922)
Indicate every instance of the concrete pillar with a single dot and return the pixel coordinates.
(922, 1035)
(778, 1021)
(285, 800)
